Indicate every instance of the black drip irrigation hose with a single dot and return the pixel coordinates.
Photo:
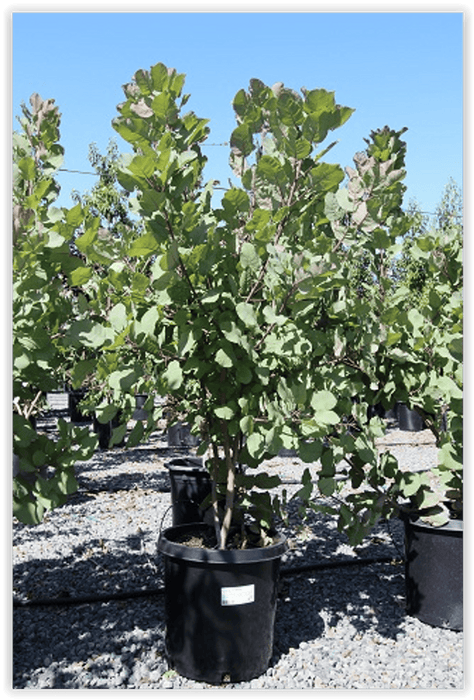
(125, 595)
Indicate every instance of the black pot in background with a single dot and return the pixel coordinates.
(434, 573)
(375, 411)
(409, 420)
(220, 607)
(190, 484)
(391, 414)
(179, 435)
(74, 398)
(140, 413)
(104, 431)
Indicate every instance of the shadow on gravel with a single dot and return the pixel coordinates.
(77, 633)
(366, 597)
(95, 476)
(86, 645)
(92, 568)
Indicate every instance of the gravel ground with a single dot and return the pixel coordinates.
(336, 628)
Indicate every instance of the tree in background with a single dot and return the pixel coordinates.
(107, 199)
(43, 306)
(410, 267)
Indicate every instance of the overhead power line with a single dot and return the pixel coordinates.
(82, 172)
(78, 172)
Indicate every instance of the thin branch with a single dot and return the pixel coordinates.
(230, 488)
(29, 411)
(215, 504)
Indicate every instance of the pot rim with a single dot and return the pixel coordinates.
(186, 465)
(217, 556)
(453, 525)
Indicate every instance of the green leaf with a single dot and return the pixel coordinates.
(79, 276)
(159, 75)
(240, 102)
(265, 481)
(122, 380)
(144, 246)
(142, 166)
(225, 412)
(163, 106)
(244, 374)
(323, 400)
(67, 482)
(326, 485)
(224, 358)
(118, 317)
(303, 148)
(105, 414)
(74, 216)
(411, 483)
(118, 434)
(81, 370)
(55, 239)
(136, 434)
(246, 313)
(246, 424)
(237, 200)
(86, 332)
(344, 201)
(142, 79)
(27, 168)
(393, 337)
(241, 140)
(151, 201)
(319, 100)
(310, 451)
(89, 236)
(173, 375)
(290, 108)
(271, 169)
(249, 257)
(380, 239)
(28, 512)
(255, 445)
(305, 492)
(326, 417)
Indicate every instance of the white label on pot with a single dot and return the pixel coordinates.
(238, 595)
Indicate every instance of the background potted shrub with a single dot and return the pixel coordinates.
(415, 342)
(42, 310)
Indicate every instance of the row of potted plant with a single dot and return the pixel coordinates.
(274, 321)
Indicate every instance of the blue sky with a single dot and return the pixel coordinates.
(395, 68)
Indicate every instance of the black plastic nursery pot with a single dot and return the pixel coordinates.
(104, 432)
(409, 420)
(190, 484)
(179, 435)
(76, 416)
(140, 413)
(434, 573)
(220, 607)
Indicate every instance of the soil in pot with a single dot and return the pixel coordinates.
(434, 573)
(220, 606)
